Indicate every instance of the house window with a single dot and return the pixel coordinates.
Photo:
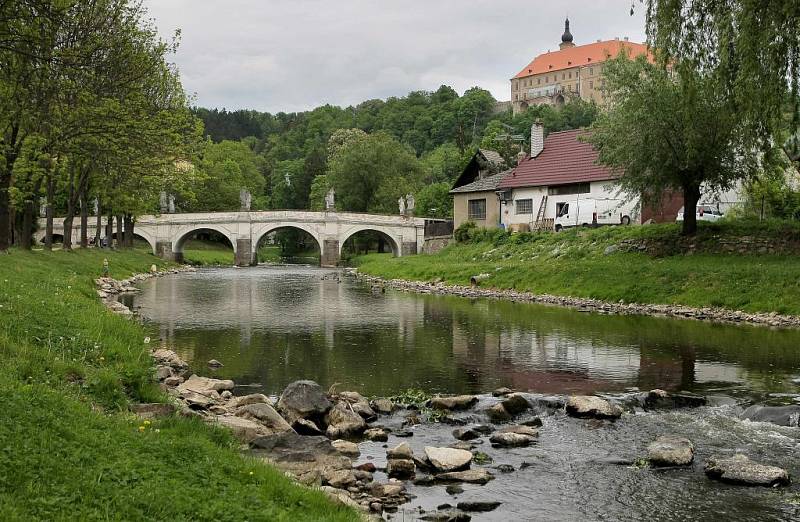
(570, 74)
(591, 84)
(476, 209)
(538, 81)
(563, 76)
(523, 206)
(574, 188)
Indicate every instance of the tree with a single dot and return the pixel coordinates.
(754, 46)
(670, 131)
(444, 163)
(226, 168)
(316, 197)
(371, 173)
(434, 201)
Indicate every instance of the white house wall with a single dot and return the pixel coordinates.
(597, 190)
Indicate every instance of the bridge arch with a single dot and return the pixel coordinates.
(259, 233)
(185, 232)
(394, 242)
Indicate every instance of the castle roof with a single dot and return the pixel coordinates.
(581, 55)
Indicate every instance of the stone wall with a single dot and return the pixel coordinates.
(713, 245)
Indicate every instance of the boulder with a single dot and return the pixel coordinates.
(163, 372)
(310, 459)
(376, 435)
(264, 414)
(197, 401)
(382, 490)
(655, 399)
(253, 398)
(448, 459)
(169, 358)
(243, 429)
(205, 385)
(591, 406)
(454, 403)
(346, 448)
(515, 404)
(359, 405)
(741, 470)
(465, 434)
(343, 422)
(338, 478)
(383, 406)
(471, 476)
(306, 427)
(303, 400)
(401, 451)
(480, 506)
(498, 414)
(515, 436)
(669, 450)
(400, 468)
(501, 392)
(153, 410)
(780, 415)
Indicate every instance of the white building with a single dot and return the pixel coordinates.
(560, 184)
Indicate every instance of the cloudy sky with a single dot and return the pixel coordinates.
(292, 55)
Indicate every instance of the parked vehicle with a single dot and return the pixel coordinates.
(591, 212)
(703, 213)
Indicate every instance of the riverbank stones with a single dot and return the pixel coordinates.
(454, 403)
(669, 450)
(584, 406)
(515, 436)
(448, 459)
(303, 400)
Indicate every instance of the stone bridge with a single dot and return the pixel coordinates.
(167, 233)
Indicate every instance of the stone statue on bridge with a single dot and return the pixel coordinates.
(330, 200)
(245, 200)
(401, 203)
(162, 202)
(171, 204)
(410, 203)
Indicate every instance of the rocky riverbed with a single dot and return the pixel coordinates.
(718, 315)
(502, 455)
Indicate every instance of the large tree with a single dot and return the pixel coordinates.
(753, 45)
(671, 130)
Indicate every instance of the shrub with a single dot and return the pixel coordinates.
(465, 231)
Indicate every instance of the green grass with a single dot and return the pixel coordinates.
(70, 451)
(573, 263)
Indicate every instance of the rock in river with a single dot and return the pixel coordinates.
(465, 434)
(376, 435)
(448, 459)
(343, 422)
(515, 436)
(591, 406)
(741, 470)
(303, 400)
(346, 448)
(266, 415)
(402, 451)
(472, 476)
(480, 506)
(668, 450)
(400, 468)
(458, 402)
(515, 404)
(780, 415)
(311, 459)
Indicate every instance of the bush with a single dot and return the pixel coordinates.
(465, 232)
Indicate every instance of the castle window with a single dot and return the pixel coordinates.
(591, 70)
(570, 74)
(538, 81)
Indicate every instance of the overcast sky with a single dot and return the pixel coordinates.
(293, 55)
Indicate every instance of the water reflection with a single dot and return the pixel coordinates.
(273, 325)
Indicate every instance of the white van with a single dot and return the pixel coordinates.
(591, 211)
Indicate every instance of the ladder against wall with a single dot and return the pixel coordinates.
(541, 223)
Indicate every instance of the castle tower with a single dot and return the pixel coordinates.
(566, 38)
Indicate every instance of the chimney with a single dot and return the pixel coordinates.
(537, 138)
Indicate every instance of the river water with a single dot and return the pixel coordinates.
(273, 325)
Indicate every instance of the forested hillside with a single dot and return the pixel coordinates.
(418, 144)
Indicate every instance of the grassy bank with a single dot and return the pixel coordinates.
(68, 369)
(575, 263)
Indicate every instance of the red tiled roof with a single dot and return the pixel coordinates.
(564, 159)
(580, 55)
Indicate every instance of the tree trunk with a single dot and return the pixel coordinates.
(120, 243)
(5, 213)
(110, 230)
(67, 245)
(98, 229)
(49, 214)
(84, 222)
(691, 195)
(26, 230)
(128, 230)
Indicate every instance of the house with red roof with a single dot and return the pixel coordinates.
(560, 184)
(572, 71)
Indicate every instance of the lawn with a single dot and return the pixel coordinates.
(575, 263)
(70, 450)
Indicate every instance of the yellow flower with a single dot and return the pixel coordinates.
(147, 423)
(141, 429)
(251, 473)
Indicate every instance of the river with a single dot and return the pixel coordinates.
(272, 325)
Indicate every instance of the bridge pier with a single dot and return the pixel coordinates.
(244, 253)
(164, 251)
(408, 248)
(329, 257)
